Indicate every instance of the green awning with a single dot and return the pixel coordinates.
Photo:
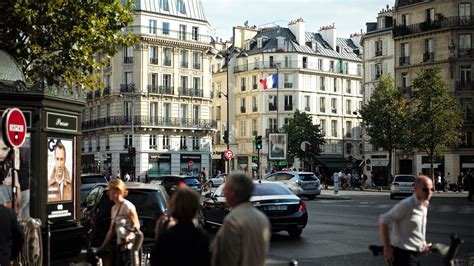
(332, 163)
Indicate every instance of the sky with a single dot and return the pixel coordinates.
(349, 16)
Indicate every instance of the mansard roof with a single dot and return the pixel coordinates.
(193, 8)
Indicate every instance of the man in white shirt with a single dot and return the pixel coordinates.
(126, 177)
(408, 220)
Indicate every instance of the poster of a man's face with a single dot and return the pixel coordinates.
(277, 146)
(60, 166)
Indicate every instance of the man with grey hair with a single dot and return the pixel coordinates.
(244, 238)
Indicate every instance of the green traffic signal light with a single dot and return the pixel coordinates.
(258, 142)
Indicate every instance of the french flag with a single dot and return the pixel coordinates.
(269, 82)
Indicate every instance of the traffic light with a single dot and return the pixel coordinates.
(258, 142)
(226, 137)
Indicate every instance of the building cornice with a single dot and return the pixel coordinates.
(175, 43)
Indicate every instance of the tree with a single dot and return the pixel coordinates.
(385, 118)
(436, 120)
(300, 128)
(64, 42)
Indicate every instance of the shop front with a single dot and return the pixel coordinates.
(126, 164)
(159, 165)
(466, 163)
(190, 164)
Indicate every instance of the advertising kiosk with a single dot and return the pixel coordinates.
(48, 162)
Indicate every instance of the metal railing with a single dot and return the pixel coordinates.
(127, 87)
(465, 53)
(160, 89)
(96, 93)
(429, 25)
(154, 61)
(149, 121)
(292, 64)
(167, 33)
(190, 92)
(106, 90)
(128, 60)
(428, 56)
(404, 60)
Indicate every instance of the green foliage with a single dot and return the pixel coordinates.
(436, 119)
(64, 42)
(301, 128)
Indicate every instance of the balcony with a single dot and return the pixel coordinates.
(127, 87)
(242, 109)
(196, 148)
(90, 96)
(168, 34)
(307, 109)
(254, 86)
(242, 88)
(183, 147)
(106, 90)
(153, 88)
(465, 53)
(404, 60)
(439, 23)
(270, 130)
(378, 53)
(288, 85)
(154, 61)
(167, 62)
(166, 90)
(96, 93)
(428, 56)
(466, 85)
(254, 109)
(184, 64)
(196, 66)
(147, 121)
(294, 64)
(192, 92)
(128, 60)
(288, 107)
(272, 107)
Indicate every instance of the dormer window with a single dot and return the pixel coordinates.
(280, 43)
(247, 45)
(181, 7)
(259, 42)
(381, 23)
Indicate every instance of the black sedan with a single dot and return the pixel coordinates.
(285, 210)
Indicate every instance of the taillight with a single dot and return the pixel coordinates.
(181, 184)
(396, 184)
(302, 207)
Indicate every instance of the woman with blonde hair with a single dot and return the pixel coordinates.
(122, 210)
(183, 237)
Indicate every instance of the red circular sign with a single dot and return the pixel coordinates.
(228, 154)
(14, 127)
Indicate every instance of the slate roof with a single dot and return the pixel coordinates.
(194, 8)
(269, 44)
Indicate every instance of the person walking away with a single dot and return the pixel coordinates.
(11, 235)
(126, 177)
(122, 210)
(408, 221)
(244, 238)
(460, 178)
(183, 238)
(469, 185)
(438, 182)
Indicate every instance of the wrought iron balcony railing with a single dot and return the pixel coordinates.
(140, 121)
(127, 87)
(439, 23)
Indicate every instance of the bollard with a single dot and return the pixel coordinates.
(336, 187)
(293, 263)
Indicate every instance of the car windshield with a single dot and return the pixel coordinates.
(92, 179)
(405, 178)
(308, 177)
(191, 181)
(266, 189)
(147, 202)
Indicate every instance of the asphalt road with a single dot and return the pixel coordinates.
(340, 230)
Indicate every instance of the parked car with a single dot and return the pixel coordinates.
(172, 182)
(283, 208)
(89, 181)
(402, 185)
(217, 180)
(301, 183)
(149, 200)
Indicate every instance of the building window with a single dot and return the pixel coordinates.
(322, 85)
(152, 142)
(167, 112)
(243, 82)
(254, 104)
(166, 142)
(378, 70)
(322, 104)
(195, 143)
(348, 107)
(128, 54)
(195, 33)
(181, 7)
(196, 115)
(406, 19)
(322, 124)
(184, 112)
(287, 62)
(331, 66)
(153, 113)
(272, 124)
(182, 143)
(218, 113)
(380, 23)
(197, 86)
(128, 140)
(254, 82)
(98, 112)
(466, 107)
(378, 48)
(404, 54)
(184, 82)
(465, 45)
(288, 80)
(254, 127)
(429, 52)
(196, 60)
(166, 56)
(243, 128)
(348, 129)
(127, 108)
(167, 82)
(272, 103)
(166, 28)
(404, 80)
(430, 15)
(152, 26)
(465, 11)
(335, 84)
(465, 75)
(153, 55)
(307, 100)
(288, 103)
(334, 105)
(242, 105)
(182, 32)
(164, 5)
(348, 86)
(320, 64)
(333, 128)
(183, 58)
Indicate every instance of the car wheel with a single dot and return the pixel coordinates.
(295, 232)
(311, 197)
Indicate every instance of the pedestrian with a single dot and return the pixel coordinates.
(460, 179)
(118, 175)
(122, 210)
(183, 237)
(11, 236)
(469, 185)
(244, 238)
(408, 221)
(126, 177)
(438, 182)
(204, 175)
(147, 178)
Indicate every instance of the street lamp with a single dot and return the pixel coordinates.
(131, 148)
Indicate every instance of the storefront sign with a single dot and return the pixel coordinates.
(62, 122)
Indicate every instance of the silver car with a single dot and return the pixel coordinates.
(217, 180)
(301, 183)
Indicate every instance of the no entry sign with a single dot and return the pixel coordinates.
(228, 154)
(14, 127)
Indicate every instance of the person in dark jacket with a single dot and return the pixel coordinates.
(11, 235)
(183, 243)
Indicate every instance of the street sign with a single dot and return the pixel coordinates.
(14, 127)
(228, 154)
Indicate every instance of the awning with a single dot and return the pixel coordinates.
(332, 163)
(427, 165)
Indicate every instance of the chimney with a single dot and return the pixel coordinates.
(329, 35)
(242, 34)
(297, 27)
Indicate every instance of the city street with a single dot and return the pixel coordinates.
(339, 231)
